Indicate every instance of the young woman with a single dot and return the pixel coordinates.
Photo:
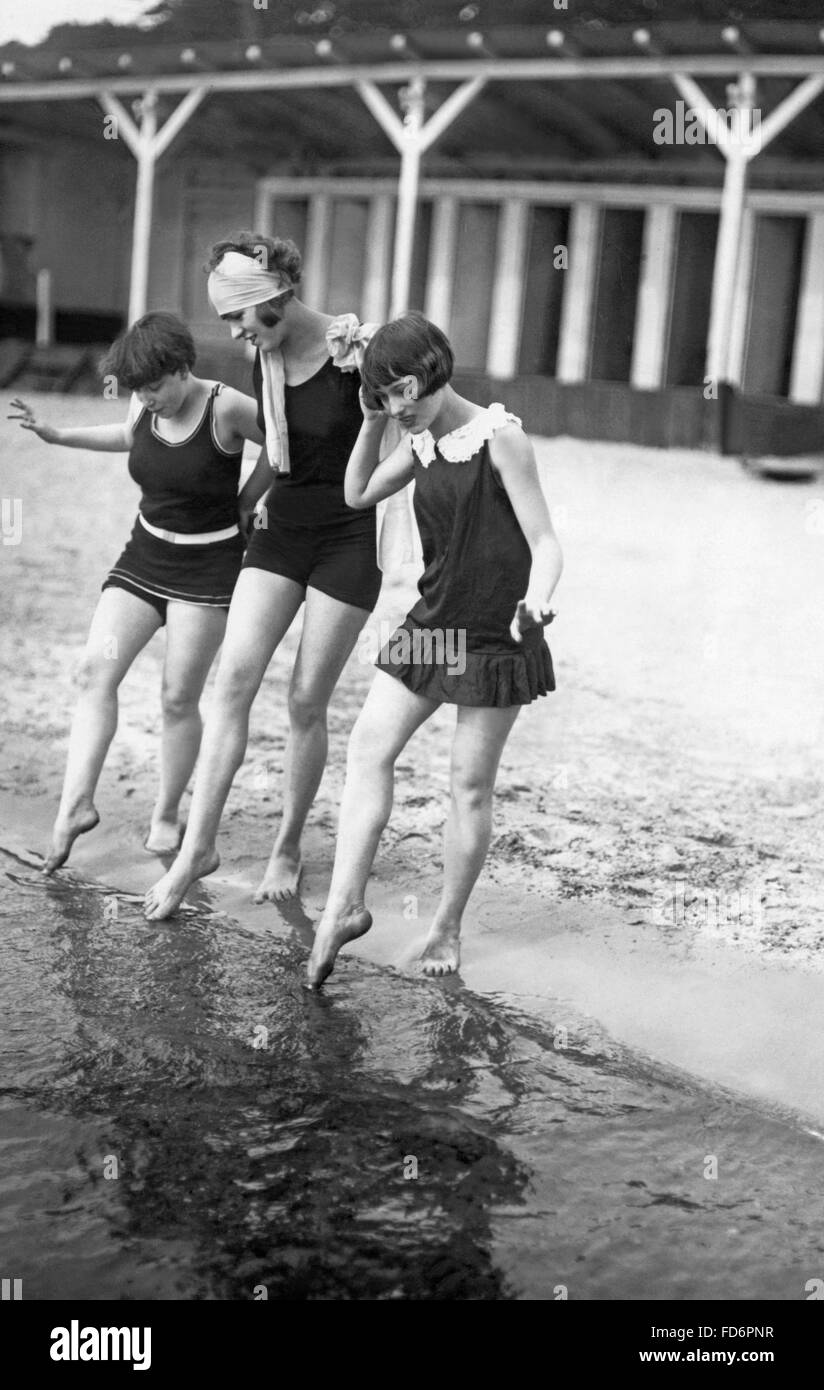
(185, 441)
(492, 563)
(307, 548)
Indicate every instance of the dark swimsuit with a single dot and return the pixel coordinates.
(189, 488)
(478, 564)
(306, 532)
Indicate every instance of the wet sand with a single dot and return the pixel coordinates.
(658, 836)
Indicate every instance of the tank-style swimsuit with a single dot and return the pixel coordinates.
(305, 531)
(188, 488)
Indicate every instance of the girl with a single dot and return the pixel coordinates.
(492, 563)
(185, 441)
(307, 548)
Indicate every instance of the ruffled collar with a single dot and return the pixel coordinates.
(462, 444)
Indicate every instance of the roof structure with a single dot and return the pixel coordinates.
(506, 89)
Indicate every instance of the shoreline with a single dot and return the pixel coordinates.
(729, 1020)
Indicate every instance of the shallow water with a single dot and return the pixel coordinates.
(390, 1138)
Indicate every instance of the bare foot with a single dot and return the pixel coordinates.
(281, 878)
(164, 836)
(442, 953)
(65, 832)
(331, 935)
(165, 897)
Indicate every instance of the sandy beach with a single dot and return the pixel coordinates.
(657, 854)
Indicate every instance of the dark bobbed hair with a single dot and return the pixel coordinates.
(157, 345)
(407, 346)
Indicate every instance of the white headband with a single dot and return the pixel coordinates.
(239, 282)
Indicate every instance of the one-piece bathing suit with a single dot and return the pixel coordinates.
(188, 488)
(306, 532)
(455, 645)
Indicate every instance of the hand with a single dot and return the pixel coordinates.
(528, 614)
(28, 421)
(370, 416)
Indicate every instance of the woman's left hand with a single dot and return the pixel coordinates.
(530, 612)
(370, 416)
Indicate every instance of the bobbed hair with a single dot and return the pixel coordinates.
(407, 346)
(159, 344)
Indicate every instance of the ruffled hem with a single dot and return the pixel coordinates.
(492, 680)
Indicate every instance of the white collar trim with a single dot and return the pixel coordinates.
(462, 444)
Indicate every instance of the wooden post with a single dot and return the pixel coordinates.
(508, 290)
(141, 236)
(578, 304)
(649, 348)
(741, 300)
(411, 137)
(807, 376)
(316, 261)
(147, 144)
(412, 101)
(441, 278)
(725, 267)
(376, 273)
(45, 309)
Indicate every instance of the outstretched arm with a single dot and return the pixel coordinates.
(369, 479)
(513, 459)
(110, 438)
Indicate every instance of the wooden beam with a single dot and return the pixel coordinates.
(789, 108)
(558, 192)
(442, 70)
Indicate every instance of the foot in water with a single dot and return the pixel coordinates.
(165, 897)
(280, 882)
(164, 835)
(333, 932)
(66, 830)
(442, 953)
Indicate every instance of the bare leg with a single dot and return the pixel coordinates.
(330, 630)
(263, 607)
(389, 718)
(194, 633)
(480, 735)
(120, 628)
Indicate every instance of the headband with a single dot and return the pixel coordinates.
(239, 282)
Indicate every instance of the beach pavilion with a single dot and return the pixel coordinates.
(620, 225)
